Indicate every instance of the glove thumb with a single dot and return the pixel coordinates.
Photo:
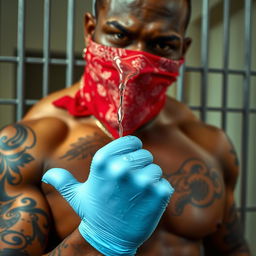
(63, 181)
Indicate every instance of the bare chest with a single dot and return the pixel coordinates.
(197, 203)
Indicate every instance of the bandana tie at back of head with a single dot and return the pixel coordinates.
(99, 94)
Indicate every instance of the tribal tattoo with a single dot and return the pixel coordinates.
(58, 251)
(195, 184)
(85, 147)
(67, 247)
(13, 208)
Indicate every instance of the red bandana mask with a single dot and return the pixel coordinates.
(144, 95)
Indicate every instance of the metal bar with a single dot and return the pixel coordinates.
(21, 59)
(46, 46)
(180, 84)
(8, 59)
(77, 62)
(204, 57)
(226, 38)
(233, 110)
(70, 43)
(245, 132)
(248, 209)
(8, 101)
(15, 102)
(217, 70)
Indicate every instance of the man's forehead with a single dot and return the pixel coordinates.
(175, 12)
(163, 7)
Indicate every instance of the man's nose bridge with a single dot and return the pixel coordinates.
(139, 46)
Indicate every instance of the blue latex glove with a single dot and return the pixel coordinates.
(123, 199)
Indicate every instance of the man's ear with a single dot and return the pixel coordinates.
(89, 26)
(186, 45)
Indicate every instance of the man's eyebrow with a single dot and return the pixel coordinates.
(168, 38)
(118, 26)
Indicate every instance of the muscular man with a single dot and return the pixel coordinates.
(122, 201)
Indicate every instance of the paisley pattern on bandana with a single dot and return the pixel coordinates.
(144, 95)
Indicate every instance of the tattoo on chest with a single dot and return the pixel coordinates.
(195, 184)
(85, 147)
(17, 209)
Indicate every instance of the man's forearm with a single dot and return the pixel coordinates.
(74, 245)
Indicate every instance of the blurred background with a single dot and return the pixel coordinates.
(41, 43)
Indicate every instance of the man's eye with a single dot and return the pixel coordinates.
(119, 36)
(165, 47)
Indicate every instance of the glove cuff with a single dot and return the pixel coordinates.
(105, 243)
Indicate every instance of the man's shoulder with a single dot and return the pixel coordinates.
(25, 146)
(37, 135)
(191, 125)
(210, 138)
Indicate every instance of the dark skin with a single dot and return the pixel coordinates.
(196, 158)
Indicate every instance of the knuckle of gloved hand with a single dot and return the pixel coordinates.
(143, 182)
(118, 169)
(163, 189)
(99, 160)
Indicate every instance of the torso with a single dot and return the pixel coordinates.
(196, 209)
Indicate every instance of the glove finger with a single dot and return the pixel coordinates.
(137, 159)
(120, 146)
(115, 148)
(121, 166)
(62, 180)
(147, 175)
(163, 190)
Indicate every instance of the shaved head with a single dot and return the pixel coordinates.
(98, 4)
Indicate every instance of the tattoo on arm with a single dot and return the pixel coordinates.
(67, 247)
(58, 251)
(14, 156)
(195, 184)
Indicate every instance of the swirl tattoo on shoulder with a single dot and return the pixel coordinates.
(196, 184)
(17, 208)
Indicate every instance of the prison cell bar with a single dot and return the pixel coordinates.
(204, 58)
(246, 106)
(21, 59)
(46, 47)
(226, 39)
(70, 43)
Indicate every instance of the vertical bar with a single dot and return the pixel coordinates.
(226, 41)
(180, 85)
(204, 57)
(245, 133)
(70, 43)
(46, 47)
(21, 59)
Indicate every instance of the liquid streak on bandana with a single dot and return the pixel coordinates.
(144, 96)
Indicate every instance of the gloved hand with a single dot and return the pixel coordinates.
(123, 199)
